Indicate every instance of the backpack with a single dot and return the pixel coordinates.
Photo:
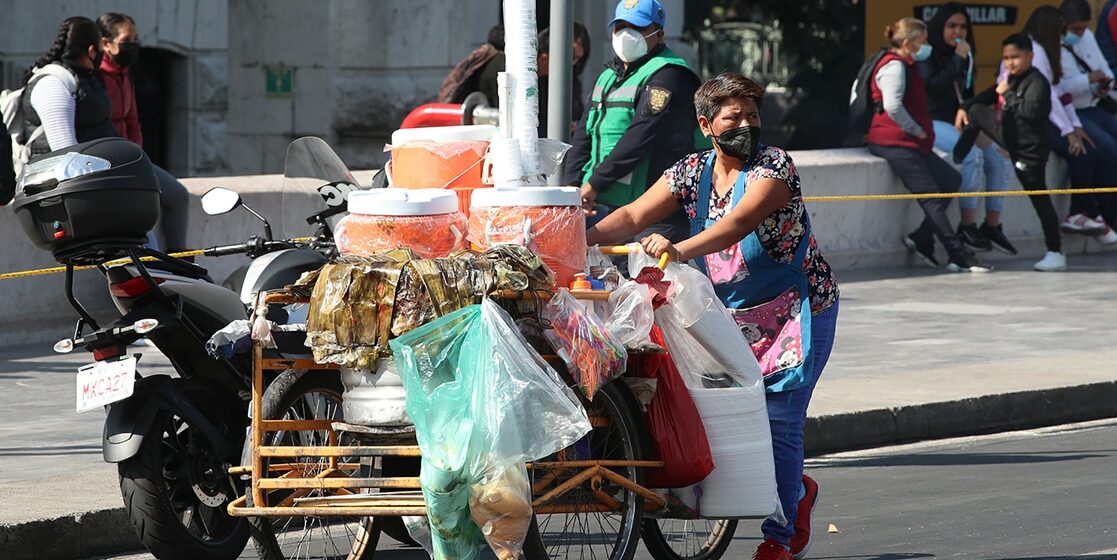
(24, 135)
(861, 104)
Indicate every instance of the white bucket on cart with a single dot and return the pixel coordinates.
(374, 398)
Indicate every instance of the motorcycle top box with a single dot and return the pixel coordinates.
(88, 200)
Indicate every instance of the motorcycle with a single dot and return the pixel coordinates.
(173, 438)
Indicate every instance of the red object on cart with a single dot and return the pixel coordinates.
(678, 436)
(434, 114)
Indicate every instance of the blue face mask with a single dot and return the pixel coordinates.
(1070, 39)
(923, 53)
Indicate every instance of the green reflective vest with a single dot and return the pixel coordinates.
(612, 108)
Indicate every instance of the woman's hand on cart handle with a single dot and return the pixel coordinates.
(659, 246)
(664, 258)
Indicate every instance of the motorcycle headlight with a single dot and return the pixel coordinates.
(54, 170)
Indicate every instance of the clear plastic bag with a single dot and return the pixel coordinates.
(629, 315)
(484, 403)
(593, 356)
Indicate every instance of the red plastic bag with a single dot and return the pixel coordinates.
(678, 436)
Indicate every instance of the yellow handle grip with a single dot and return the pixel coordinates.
(625, 249)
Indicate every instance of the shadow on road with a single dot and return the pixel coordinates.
(966, 459)
(889, 556)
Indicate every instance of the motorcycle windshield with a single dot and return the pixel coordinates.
(315, 182)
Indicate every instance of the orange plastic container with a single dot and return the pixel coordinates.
(427, 221)
(440, 157)
(547, 220)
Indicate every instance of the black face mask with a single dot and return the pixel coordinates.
(740, 143)
(128, 54)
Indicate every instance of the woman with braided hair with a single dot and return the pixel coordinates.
(70, 114)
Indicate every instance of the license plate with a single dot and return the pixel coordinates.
(102, 383)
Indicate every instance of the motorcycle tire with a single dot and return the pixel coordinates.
(155, 483)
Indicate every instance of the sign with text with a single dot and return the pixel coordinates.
(980, 14)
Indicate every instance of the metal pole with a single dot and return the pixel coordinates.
(560, 81)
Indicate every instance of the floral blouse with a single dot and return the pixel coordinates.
(779, 233)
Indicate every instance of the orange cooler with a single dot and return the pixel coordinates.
(440, 157)
(547, 220)
(427, 221)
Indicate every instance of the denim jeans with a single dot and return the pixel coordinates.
(787, 412)
(1102, 128)
(987, 159)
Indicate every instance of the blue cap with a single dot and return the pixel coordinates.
(640, 13)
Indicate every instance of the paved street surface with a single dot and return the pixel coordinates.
(1040, 494)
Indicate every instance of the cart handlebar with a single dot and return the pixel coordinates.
(633, 248)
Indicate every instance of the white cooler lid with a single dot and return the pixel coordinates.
(403, 202)
(526, 196)
(465, 133)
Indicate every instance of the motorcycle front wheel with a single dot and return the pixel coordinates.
(176, 489)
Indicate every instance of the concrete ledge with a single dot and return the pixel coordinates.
(968, 417)
(75, 536)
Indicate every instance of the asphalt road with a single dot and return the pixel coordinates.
(1049, 494)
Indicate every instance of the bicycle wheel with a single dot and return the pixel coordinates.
(688, 539)
(299, 395)
(597, 518)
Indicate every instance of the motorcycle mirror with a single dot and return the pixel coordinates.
(220, 200)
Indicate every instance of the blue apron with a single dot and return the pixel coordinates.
(763, 295)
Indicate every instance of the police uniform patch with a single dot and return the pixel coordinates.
(629, 4)
(658, 98)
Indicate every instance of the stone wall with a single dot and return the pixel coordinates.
(195, 30)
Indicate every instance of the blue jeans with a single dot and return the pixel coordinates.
(987, 159)
(787, 412)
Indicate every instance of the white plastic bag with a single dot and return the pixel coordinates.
(724, 380)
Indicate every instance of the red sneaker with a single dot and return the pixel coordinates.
(771, 550)
(801, 539)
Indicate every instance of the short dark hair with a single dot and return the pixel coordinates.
(1018, 40)
(1074, 11)
(713, 94)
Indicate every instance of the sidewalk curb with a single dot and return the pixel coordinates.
(78, 535)
(109, 532)
(968, 417)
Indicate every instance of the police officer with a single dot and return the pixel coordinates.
(640, 119)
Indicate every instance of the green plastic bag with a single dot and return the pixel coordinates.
(484, 403)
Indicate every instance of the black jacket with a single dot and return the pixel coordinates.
(667, 134)
(944, 74)
(92, 110)
(1024, 123)
(7, 171)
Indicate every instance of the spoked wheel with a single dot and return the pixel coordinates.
(175, 490)
(688, 539)
(298, 395)
(597, 518)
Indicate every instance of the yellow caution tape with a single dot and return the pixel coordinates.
(823, 198)
(862, 197)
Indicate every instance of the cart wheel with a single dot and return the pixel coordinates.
(568, 526)
(314, 396)
(688, 539)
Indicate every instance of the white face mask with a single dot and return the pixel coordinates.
(630, 45)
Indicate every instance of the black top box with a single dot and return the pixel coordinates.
(94, 198)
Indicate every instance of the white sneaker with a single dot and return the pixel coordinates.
(1108, 237)
(1052, 262)
(1082, 225)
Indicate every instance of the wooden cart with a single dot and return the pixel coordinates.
(322, 488)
